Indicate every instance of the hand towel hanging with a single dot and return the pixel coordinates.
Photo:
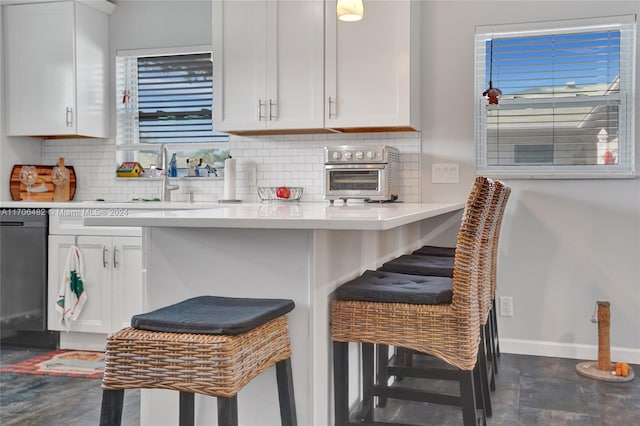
(72, 295)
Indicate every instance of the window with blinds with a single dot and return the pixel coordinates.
(566, 107)
(165, 99)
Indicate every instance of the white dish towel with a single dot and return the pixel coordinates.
(72, 295)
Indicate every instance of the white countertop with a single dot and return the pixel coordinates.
(133, 205)
(280, 215)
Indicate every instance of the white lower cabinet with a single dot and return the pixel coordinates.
(112, 279)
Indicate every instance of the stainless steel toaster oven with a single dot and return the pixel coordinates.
(361, 172)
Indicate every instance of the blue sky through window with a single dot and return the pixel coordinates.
(538, 65)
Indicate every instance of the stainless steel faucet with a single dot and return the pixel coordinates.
(166, 188)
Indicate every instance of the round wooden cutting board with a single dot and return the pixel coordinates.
(43, 188)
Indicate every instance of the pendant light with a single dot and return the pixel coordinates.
(350, 10)
(492, 93)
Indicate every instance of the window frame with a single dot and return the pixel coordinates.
(626, 119)
(128, 145)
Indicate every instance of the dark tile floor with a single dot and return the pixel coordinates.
(530, 391)
(29, 400)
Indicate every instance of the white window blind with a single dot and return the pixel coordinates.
(567, 102)
(165, 99)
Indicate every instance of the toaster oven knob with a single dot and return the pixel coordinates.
(336, 155)
(359, 155)
(347, 155)
(371, 155)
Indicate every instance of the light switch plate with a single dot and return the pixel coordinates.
(445, 173)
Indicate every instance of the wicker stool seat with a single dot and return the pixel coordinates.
(435, 251)
(207, 345)
(414, 264)
(368, 313)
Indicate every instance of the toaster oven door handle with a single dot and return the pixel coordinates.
(369, 166)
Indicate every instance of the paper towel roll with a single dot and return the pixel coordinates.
(230, 179)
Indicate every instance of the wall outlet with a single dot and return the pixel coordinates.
(445, 173)
(250, 174)
(506, 306)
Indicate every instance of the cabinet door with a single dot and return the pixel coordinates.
(239, 63)
(295, 64)
(40, 68)
(127, 280)
(368, 66)
(95, 316)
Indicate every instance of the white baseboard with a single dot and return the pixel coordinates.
(566, 350)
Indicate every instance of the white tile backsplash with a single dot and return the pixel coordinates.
(292, 160)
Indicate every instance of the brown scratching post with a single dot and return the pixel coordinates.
(604, 343)
(603, 369)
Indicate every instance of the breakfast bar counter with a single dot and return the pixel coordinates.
(298, 251)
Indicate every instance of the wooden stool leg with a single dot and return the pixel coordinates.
(286, 396)
(187, 404)
(484, 375)
(341, 382)
(495, 329)
(366, 411)
(111, 410)
(228, 411)
(383, 375)
(468, 399)
(491, 356)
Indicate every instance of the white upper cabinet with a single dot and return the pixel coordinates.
(268, 65)
(56, 70)
(372, 67)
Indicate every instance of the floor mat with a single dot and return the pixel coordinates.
(86, 364)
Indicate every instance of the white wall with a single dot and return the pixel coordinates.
(12, 150)
(565, 243)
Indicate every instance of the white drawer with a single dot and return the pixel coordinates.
(69, 222)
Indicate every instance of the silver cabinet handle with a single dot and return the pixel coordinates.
(272, 106)
(260, 105)
(69, 116)
(105, 253)
(115, 257)
(330, 103)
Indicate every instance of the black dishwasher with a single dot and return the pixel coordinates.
(23, 278)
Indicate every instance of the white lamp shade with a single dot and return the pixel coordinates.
(350, 10)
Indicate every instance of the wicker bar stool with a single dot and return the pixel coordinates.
(411, 316)
(435, 263)
(449, 252)
(207, 345)
(437, 266)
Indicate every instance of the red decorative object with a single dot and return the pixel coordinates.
(493, 94)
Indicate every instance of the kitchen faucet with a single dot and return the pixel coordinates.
(166, 188)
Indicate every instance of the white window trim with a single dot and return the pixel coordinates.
(626, 168)
(160, 51)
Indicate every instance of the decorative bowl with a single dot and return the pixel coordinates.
(270, 193)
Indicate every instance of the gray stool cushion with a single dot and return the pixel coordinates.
(213, 315)
(436, 251)
(380, 286)
(421, 265)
